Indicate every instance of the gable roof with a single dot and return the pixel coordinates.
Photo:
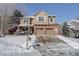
(40, 12)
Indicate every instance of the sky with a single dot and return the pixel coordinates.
(62, 11)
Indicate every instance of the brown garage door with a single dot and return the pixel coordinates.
(39, 31)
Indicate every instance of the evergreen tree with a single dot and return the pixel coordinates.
(15, 18)
(17, 13)
(65, 29)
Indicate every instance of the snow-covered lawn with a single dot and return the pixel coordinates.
(61, 49)
(71, 41)
(57, 47)
(15, 45)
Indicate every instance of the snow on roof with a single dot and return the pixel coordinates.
(76, 21)
(28, 17)
(23, 25)
(74, 24)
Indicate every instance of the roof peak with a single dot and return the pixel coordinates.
(40, 12)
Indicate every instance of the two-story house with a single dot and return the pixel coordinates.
(39, 24)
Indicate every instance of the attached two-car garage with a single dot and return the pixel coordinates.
(46, 29)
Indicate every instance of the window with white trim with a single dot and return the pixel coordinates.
(26, 20)
(51, 19)
(41, 18)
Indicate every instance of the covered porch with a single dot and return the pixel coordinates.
(24, 29)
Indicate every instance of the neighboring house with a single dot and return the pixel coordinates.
(74, 28)
(39, 24)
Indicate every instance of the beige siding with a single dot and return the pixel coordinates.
(22, 21)
(41, 22)
(39, 32)
(53, 18)
(49, 32)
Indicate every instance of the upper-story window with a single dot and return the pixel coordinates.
(25, 20)
(51, 19)
(41, 18)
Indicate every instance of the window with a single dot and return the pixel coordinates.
(51, 19)
(26, 20)
(49, 28)
(41, 18)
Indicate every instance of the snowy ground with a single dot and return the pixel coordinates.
(71, 41)
(15, 45)
(57, 47)
(60, 46)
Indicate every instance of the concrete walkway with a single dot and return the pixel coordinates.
(71, 41)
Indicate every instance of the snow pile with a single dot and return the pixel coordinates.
(12, 45)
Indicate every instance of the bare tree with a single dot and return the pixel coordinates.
(6, 10)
